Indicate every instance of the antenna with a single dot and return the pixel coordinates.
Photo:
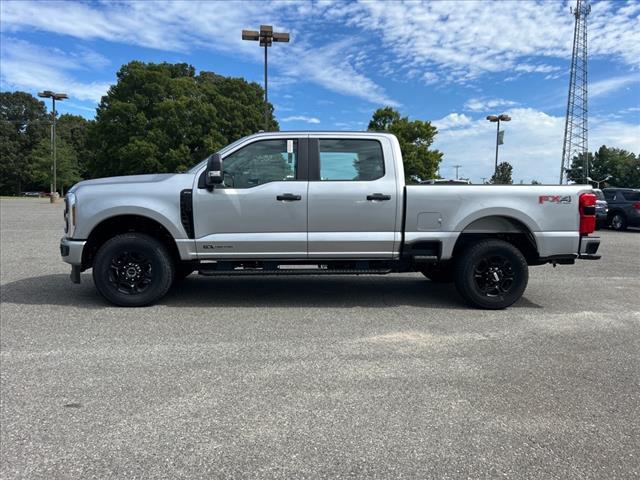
(575, 127)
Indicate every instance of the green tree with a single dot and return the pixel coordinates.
(623, 166)
(415, 137)
(165, 118)
(503, 174)
(40, 167)
(74, 130)
(535, 182)
(23, 124)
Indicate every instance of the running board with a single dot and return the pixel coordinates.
(291, 271)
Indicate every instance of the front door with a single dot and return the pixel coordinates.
(353, 198)
(260, 211)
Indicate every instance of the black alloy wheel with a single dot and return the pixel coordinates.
(491, 274)
(133, 270)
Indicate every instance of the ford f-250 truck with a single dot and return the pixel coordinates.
(292, 203)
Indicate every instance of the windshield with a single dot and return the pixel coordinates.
(222, 151)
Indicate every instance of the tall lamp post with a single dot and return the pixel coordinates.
(599, 181)
(53, 96)
(498, 118)
(266, 36)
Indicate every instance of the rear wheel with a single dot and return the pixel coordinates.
(133, 270)
(619, 222)
(491, 274)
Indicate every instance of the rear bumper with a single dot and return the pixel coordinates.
(589, 248)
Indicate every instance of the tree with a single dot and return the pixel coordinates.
(40, 167)
(23, 124)
(503, 174)
(165, 118)
(623, 166)
(535, 182)
(73, 130)
(415, 138)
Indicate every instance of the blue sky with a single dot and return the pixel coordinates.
(451, 63)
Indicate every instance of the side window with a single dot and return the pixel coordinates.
(356, 160)
(609, 196)
(261, 162)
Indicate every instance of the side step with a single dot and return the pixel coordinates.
(291, 271)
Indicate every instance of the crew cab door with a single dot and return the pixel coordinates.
(353, 198)
(260, 211)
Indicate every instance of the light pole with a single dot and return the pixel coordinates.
(266, 36)
(599, 181)
(53, 96)
(498, 118)
(457, 167)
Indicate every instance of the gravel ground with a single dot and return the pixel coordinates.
(316, 377)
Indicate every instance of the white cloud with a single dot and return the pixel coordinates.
(301, 118)
(471, 38)
(182, 26)
(29, 67)
(609, 85)
(453, 120)
(483, 105)
(533, 144)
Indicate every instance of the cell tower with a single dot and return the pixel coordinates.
(575, 127)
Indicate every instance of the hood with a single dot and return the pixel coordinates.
(152, 178)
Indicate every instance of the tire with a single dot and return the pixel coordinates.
(619, 222)
(133, 270)
(491, 274)
(182, 270)
(439, 273)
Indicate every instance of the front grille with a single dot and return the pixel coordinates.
(186, 212)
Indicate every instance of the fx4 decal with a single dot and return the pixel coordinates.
(554, 199)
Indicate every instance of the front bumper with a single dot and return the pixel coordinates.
(71, 251)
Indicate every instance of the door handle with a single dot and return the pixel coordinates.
(378, 196)
(288, 197)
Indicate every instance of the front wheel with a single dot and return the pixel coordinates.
(133, 270)
(491, 274)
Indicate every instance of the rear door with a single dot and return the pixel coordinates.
(353, 198)
(261, 209)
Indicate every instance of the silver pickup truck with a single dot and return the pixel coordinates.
(292, 203)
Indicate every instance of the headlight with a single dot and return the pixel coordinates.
(70, 215)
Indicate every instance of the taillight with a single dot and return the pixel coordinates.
(587, 213)
(636, 205)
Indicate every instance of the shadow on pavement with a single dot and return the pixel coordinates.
(243, 292)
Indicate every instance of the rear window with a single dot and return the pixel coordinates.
(631, 196)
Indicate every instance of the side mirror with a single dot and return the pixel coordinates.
(213, 175)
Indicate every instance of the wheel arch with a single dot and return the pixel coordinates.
(503, 227)
(124, 223)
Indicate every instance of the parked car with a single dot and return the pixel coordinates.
(30, 194)
(602, 209)
(624, 207)
(292, 203)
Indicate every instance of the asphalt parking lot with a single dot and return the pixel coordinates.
(316, 377)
